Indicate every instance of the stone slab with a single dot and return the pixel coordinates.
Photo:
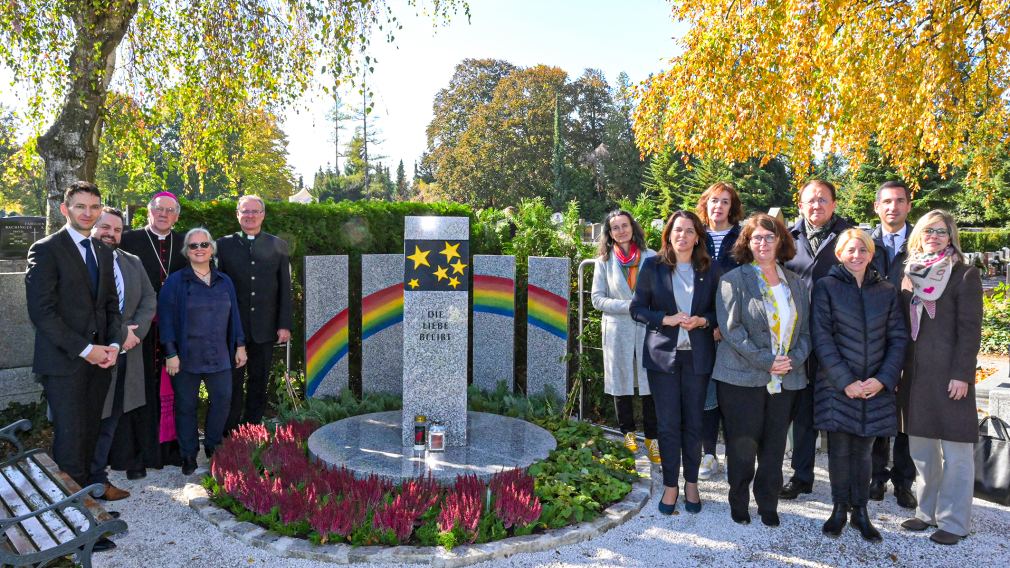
(17, 339)
(493, 321)
(326, 325)
(436, 318)
(371, 444)
(548, 292)
(19, 385)
(382, 323)
(999, 403)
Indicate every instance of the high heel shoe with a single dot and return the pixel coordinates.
(836, 522)
(668, 509)
(689, 506)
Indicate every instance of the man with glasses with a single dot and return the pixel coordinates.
(815, 233)
(70, 288)
(892, 205)
(138, 445)
(257, 263)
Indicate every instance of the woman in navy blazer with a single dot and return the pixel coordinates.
(675, 299)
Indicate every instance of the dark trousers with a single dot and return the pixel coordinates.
(804, 436)
(187, 398)
(756, 424)
(75, 404)
(849, 468)
(107, 427)
(902, 472)
(249, 403)
(626, 414)
(710, 430)
(680, 401)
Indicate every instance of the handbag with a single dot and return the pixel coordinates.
(992, 462)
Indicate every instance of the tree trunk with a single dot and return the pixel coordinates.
(70, 146)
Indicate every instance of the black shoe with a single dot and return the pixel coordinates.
(113, 514)
(769, 519)
(793, 489)
(836, 522)
(906, 499)
(103, 544)
(188, 466)
(740, 517)
(861, 520)
(877, 490)
(209, 452)
(134, 474)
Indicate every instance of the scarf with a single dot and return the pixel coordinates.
(774, 322)
(815, 235)
(929, 274)
(629, 263)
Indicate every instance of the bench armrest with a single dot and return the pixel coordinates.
(9, 433)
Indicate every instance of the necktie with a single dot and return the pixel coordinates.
(89, 260)
(889, 241)
(119, 288)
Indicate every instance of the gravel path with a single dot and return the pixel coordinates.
(165, 532)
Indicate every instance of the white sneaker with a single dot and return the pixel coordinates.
(709, 467)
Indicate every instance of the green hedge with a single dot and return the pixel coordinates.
(989, 240)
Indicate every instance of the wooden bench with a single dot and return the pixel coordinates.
(44, 514)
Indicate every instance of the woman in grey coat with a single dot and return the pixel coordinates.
(621, 252)
(942, 303)
(763, 314)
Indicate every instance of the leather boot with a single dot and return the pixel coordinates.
(861, 520)
(836, 522)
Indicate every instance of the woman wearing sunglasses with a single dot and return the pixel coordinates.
(202, 336)
(942, 301)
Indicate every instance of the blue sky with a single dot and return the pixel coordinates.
(634, 36)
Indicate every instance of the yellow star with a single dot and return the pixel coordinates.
(458, 266)
(419, 257)
(442, 273)
(413, 283)
(454, 281)
(450, 251)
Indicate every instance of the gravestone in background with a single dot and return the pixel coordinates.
(17, 343)
(493, 320)
(325, 325)
(382, 323)
(18, 233)
(436, 282)
(547, 325)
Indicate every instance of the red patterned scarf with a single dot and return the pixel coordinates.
(629, 263)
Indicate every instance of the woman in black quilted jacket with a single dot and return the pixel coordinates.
(859, 336)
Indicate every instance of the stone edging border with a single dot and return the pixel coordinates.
(464, 555)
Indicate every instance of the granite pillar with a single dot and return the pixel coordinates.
(493, 321)
(548, 290)
(382, 323)
(325, 325)
(436, 283)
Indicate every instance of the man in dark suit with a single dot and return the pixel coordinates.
(893, 203)
(138, 303)
(257, 263)
(815, 233)
(71, 292)
(137, 445)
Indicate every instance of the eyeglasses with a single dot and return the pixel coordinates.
(165, 210)
(819, 201)
(758, 239)
(203, 245)
(250, 212)
(936, 232)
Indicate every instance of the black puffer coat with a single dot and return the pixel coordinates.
(858, 333)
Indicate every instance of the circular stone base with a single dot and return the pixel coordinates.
(371, 444)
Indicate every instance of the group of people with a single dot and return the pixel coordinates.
(820, 326)
(129, 323)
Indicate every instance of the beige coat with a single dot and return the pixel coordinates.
(139, 306)
(623, 337)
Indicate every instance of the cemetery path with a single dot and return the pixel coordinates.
(165, 532)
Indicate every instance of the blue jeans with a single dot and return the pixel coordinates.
(187, 397)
